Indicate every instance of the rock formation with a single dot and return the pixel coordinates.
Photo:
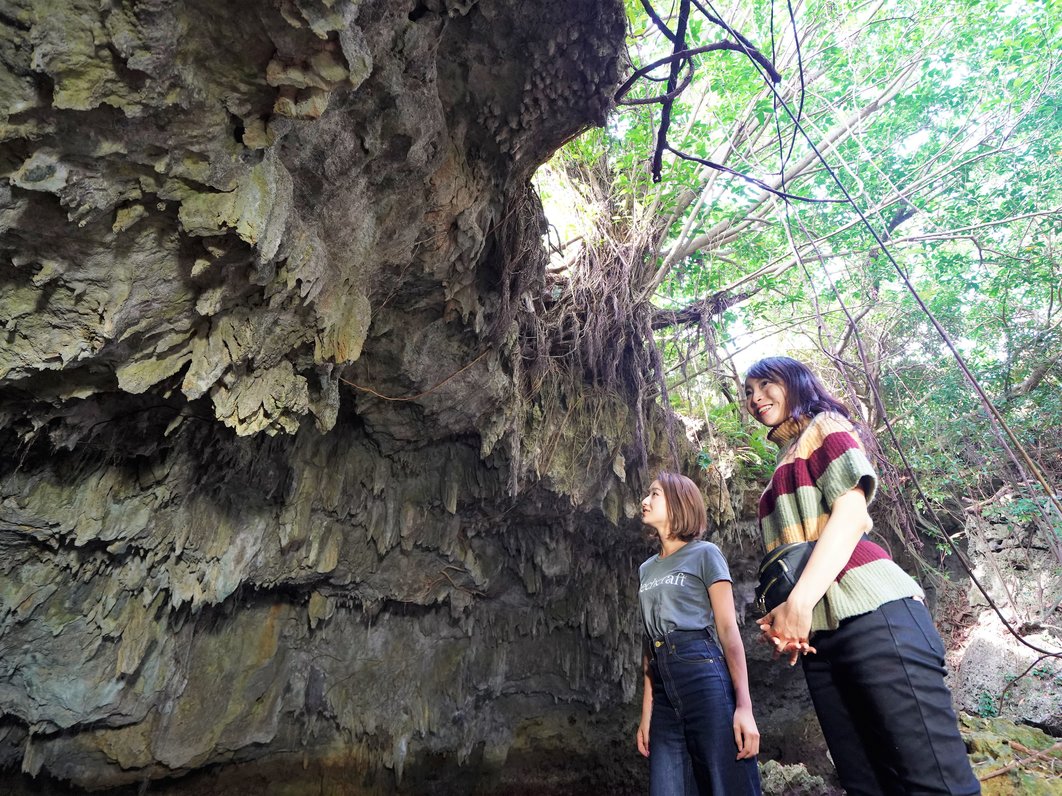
(277, 494)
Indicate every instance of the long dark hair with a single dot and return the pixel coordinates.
(805, 395)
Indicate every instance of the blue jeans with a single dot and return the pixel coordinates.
(877, 683)
(691, 734)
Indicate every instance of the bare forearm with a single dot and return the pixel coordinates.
(647, 706)
(647, 689)
(722, 597)
(734, 652)
(847, 523)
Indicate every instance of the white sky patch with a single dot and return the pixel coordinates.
(1015, 9)
(912, 143)
(746, 346)
(959, 72)
(569, 216)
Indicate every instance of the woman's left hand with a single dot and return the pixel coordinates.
(746, 735)
(787, 627)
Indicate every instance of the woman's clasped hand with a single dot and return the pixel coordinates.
(787, 629)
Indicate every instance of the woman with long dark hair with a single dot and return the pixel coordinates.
(872, 659)
(697, 727)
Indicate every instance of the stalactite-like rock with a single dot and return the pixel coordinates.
(260, 433)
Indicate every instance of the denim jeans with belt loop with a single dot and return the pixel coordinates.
(691, 734)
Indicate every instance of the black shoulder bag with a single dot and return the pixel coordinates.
(779, 572)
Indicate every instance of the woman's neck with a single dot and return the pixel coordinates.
(670, 544)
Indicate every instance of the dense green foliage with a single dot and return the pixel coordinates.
(943, 119)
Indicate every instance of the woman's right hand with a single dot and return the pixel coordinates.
(787, 628)
(643, 737)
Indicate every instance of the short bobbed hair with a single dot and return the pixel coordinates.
(685, 506)
(805, 395)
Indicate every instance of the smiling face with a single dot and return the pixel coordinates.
(766, 401)
(654, 509)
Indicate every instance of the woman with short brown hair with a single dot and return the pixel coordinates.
(697, 727)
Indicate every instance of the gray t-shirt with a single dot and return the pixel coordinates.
(674, 590)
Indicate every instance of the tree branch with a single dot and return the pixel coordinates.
(651, 12)
(747, 46)
(1032, 381)
(669, 96)
(678, 56)
(697, 312)
(843, 130)
(665, 110)
(758, 183)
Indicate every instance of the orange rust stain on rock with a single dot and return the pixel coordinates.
(270, 635)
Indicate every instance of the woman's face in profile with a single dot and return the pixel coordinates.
(654, 507)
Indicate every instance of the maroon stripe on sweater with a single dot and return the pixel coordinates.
(833, 446)
(788, 478)
(865, 552)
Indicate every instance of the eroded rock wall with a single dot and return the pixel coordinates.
(315, 595)
(261, 497)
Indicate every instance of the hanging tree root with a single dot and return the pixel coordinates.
(587, 325)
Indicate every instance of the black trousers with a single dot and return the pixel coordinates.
(877, 683)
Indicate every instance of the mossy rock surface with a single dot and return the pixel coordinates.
(777, 779)
(996, 743)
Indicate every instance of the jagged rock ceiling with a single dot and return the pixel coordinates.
(259, 405)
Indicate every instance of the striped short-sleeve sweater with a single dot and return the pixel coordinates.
(819, 460)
